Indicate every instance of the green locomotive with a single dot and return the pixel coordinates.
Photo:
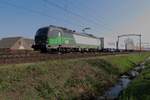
(53, 38)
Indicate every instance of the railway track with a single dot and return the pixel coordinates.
(31, 56)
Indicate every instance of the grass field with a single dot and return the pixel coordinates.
(139, 89)
(64, 79)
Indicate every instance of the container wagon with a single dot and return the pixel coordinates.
(53, 38)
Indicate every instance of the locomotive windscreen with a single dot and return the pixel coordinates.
(42, 32)
(41, 36)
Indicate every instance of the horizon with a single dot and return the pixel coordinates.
(23, 18)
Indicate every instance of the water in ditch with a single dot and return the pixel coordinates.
(114, 92)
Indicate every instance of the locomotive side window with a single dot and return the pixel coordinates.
(54, 33)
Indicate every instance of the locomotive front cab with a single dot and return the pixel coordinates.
(41, 39)
(49, 38)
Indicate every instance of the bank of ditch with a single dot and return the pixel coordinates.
(64, 79)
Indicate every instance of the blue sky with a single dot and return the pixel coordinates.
(105, 17)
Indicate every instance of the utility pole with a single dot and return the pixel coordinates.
(117, 44)
(140, 42)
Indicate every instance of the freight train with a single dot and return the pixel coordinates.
(54, 38)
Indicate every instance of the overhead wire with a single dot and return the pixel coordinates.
(66, 10)
(75, 14)
(74, 22)
(35, 11)
(41, 13)
(101, 17)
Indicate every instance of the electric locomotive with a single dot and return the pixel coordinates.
(54, 38)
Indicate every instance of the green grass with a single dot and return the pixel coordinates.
(139, 89)
(126, 62)
(63, 79)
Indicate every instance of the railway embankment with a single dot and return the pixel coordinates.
(65, 79)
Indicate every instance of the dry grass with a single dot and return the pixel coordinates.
(63, 79)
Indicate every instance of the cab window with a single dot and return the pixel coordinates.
(42, 32)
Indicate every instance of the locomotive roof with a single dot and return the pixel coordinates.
(72, 31)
